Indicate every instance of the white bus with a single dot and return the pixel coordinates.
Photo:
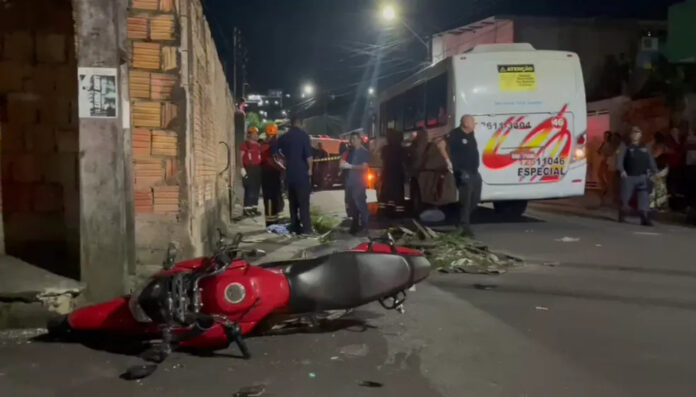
(530, 111)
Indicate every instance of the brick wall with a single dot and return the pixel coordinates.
(38, 132)
(181, 108)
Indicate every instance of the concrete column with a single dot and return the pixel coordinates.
(106, 234)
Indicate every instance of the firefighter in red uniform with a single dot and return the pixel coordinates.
(251, 171)
(271, 177)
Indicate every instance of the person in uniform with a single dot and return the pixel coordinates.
(357, 164)
(391, 192)
(636, 166)
(271, 177)
(251, 171)
(462, 158)
(296, 148)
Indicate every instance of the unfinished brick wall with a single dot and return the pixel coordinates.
(179, 114)
(213, 122)
(39, 134)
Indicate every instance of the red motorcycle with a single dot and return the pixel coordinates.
(209, 303)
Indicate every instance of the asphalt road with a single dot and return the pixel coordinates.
(600, 309)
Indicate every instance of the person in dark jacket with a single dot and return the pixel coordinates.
(296, 148)
(636, 166)
(462, 157)
(391, 192)
(356, 184)
(271, 177)
(251, 171)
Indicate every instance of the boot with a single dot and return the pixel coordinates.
(645, 219)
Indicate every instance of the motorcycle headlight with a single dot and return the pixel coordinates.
(134, 304)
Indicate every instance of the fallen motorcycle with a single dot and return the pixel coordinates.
(210, 303)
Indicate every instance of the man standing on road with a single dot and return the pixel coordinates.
(462, 157)
(251, 171)
(356, 184)
(295, 146)
(636, 166)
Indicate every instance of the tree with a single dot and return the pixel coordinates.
(253, 120)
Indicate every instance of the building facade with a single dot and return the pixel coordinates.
(115, 118)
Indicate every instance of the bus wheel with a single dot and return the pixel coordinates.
(510, 209)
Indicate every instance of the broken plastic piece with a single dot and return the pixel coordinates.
(139, 372)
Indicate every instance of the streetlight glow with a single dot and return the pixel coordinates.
(308, 89)
(389, 12)
(371, 91)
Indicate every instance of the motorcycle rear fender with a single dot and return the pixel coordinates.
(113, 315)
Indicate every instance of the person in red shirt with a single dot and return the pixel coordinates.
(251, 171)
(271, 177)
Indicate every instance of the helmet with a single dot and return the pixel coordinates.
(252, 130)
(271, 129)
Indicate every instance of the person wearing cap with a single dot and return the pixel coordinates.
(636, 166)
(251, 171)
(271, 176)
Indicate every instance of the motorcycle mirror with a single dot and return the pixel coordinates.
(170, 259)
(237, 239)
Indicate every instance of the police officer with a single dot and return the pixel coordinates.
(295, 146)
(636, 166)
(356, 184)
(251, 171)
(271, 173)
(462, 157)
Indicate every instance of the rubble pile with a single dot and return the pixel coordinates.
(453, 253)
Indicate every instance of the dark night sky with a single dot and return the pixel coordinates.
(326, 41)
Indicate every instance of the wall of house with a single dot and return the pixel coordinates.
(39, 134)
(181, 109)
(593, 39)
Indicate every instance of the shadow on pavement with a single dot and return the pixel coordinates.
(482, 215)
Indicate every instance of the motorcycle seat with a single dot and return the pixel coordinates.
(344, 280)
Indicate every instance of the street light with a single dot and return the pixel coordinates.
(388, 12)
(389, 15)
(371, 91)
(308, 89)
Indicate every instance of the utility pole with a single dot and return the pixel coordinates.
(234, 63)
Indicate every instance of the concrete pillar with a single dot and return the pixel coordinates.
(106, 235)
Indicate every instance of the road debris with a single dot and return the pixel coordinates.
(312, 375)
(250, 391)
(369, 383)
(542, 308)
(567, 239)
(485, 287)
(453, 253)
(138, 372)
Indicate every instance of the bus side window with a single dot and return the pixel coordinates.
(436, 101)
